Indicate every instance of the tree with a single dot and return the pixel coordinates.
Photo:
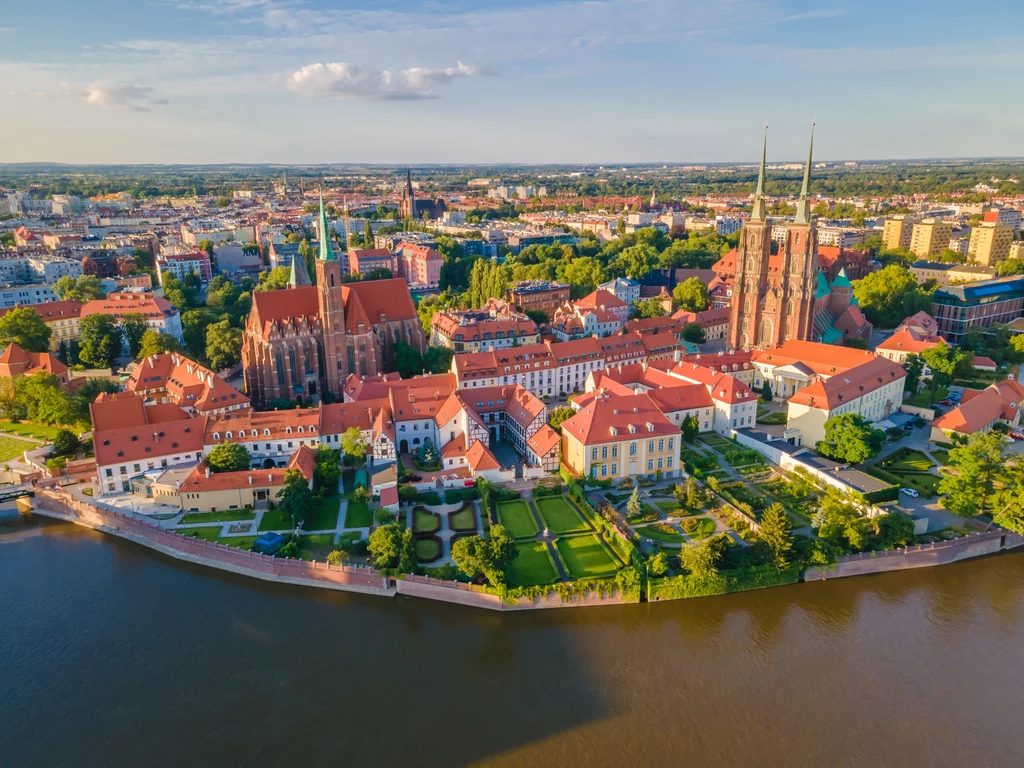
(492, 557)
(634, 507)
(584, 273)
(65, 443)
(766, 391)
(385, 544)
(80, 289)
(1010, 504)
(647, 308)
(327, 471)
(438, 359)
(637, 261)
(978, 463)
(701, 560)
(274, 280)
(559, 415)
(408, 360)
(155, 343)
(101, 341)
(133, 328)
(943, 361)
(694, 333)
(229, 457)
(691, 295)
(9, 406)
(41, 399)
(657, 566)
(776, 534)
(839, 524)
(223, 345)
(353, 444)
(87, 393)
(690, 428)
(895, 529)
(296, 498)
(850, 438)
(914, 366)
(695, 496)
(889, 295)
(24, 326)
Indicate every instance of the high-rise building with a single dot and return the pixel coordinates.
(897, 231)
(990, 243)
(930, 236)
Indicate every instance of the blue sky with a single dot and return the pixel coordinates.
(596, 81)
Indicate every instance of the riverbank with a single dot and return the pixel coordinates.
(60, 505)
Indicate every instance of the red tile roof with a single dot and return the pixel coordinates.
(618, 414)
(480, 458)
(850, 384)
(303, 460)
(981, 409)
(149, 441)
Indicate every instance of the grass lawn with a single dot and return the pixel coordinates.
(316, 546)
(712, 439)
(212, 534)
(428, 550)
(358, 515)
(28, 429)
(324, 517)
(585, 556)
(662, 532)
(669, 507)
(941, 456)
(515, 515)
(559, 516)
(925, 399)
(702, 527)
(10, 447)
(779, 417)
(424, 522)
(905, 460)
(927, 485)
(227, 516)
(275, 520)
(532, 565)
(463, 520)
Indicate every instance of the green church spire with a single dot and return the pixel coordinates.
(326, 252)
(803, 206)
(760, 211)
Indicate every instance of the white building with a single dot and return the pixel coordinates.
(26, 294)
(622, 288)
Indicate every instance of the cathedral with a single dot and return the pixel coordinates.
(776, 298)
(409, 207)
(305, 340)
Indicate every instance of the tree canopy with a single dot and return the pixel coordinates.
(229, 457)
(850, 438)
(25, 327)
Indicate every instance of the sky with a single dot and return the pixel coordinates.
(507, 81)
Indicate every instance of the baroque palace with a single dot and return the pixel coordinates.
(305, 340)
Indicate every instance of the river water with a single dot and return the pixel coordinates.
(114, 655)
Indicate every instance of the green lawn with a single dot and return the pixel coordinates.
(275, 520)
(712, 439)
(927, 485)
(585, 556)
(559, 515)
(227, 516)
(358, 515)
(925, 399)
(424, 522)
(669, 507)
(11, 447)
(463, 520)
(662, 532)
(28, 429)
(905, 460)
(779, 417)
(515, 515)
(533, 565)
(428, 550)
(324, 517)
(941, 456)
(315, 546)
(702, 527)
(211, 534)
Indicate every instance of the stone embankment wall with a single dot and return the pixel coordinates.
(923, 556)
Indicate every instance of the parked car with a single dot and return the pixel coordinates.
(946, 403)
(910, 492)
(1017, 435)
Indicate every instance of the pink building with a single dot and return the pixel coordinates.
(418, 265)
(182, 264)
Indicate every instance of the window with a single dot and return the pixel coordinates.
(604, 451)
(604, 470)
(661, 463)
(650, 446)
(671, 443)
(632, 449)
(650, 465)
(593, 454)
(661, 445)
(615, 469)
(670, 462)
(110, 472)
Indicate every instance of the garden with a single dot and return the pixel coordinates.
(357, 515)
(462, 520)
(11, 447)
(325, 516)
(559, 515)
(908, 468)
(698, 528)
(316, 546)
(425, 522)
(533, 565)
(28, 429)
(517, 518)
(585, 557)
(227, 516)
(428, 549)
(662, 532)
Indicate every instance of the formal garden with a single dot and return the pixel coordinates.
(908, 468)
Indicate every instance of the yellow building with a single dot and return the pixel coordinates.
(897, 231)
(930, 236)
(990, 243)
(206, 491)
(621, 436)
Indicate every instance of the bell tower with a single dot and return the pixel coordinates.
(332, 309)
(800, 256)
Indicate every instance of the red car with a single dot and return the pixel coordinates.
(1017, 435)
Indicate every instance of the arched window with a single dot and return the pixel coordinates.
(765, 334)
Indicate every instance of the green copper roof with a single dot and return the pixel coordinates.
(831, 336)
(326, 252)
(299, 275)
(758, 214)
(803, 205)
(842, 281)
(823, 289)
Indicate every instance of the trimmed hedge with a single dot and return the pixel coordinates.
(740, 580)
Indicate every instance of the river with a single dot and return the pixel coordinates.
(114, 655)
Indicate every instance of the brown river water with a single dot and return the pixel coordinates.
(114, 655)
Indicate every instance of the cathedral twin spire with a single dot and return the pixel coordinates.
(803, 206)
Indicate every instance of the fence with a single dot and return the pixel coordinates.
(56, 503)
(921, 556)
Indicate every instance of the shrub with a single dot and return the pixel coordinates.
(407, 492)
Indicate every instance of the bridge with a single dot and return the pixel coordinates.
(9, 492)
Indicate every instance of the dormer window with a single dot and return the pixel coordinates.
(216, 435)
(266, 433)
(288, 430)
(228, 435)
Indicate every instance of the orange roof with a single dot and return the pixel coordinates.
(121, 304)
(374, 387)
(981, 409)
(198, 481)
(601, 299)
(480, 458)
(335, 418)
(454, 448)
(15, 361)
(850, 384)
(544, 441)
(273, 306)
(616, 417)
(53, 310)
(904, 340)
(185, 383)
(280, 425)
(822, 359)
(148, 441)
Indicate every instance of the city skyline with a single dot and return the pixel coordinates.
(519, 82)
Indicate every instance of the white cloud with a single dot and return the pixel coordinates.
(344, 80)
(135, 98)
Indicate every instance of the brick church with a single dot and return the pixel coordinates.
(777, 298)
(305, 340)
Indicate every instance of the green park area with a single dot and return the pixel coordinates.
(28, 429)
(11, 447)
(533, 565)
(212, 534)
(662, 532)
(910, 469)
(698, 527)
(428, 549)
(357, 515)
(559, 515)
(425, 522)
(517, 518)
(779, 417)
(275, 520)
(325, 516)
(585, 557)
(227, 516)
(316, 546)
(464, 519)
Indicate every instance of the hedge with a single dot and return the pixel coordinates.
(892, 493)
(626, 551)
(739, 580)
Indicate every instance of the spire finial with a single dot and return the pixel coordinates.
(803, 206)
(759, 211)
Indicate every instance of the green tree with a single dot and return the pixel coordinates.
(777, 535)
(438, 359)
(154, 343)
(41, 398)
(327, 470)
(1010, 504)
(978, 463)
(229, 457)
(914, 366)
(895, 529)
(657, 566)
(647, 308)
(23, 326)
(81, 289)
(691, 295)
(133, 328)
(694, 333)
(492, 557)
(558, 415)
(690, 428)
(408, 360)
(584, 273)
(353, 444)
(889, 295)
(839, 524)
(223, 345)
(766, 391)
(385, 545)
(634, 507)
(637, 261)
(274, 280)
(850, 438)
(10, 407)
(701, 560)
(100, 339)
(297, 499)
(943, 361)
(65, 443)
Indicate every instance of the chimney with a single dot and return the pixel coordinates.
(207, 471)
(156, 437)
(270, 478)
(250, 479)
(677, 355)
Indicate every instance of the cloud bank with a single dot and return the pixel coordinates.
(134, 98)
(345, 80)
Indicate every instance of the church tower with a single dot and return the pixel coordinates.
(750, 283)
(332, 310)
(407, 205)
(800, 263)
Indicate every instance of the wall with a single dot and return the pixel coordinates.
(923, 556)
(928, 414)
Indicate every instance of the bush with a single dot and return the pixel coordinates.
(407, 492)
